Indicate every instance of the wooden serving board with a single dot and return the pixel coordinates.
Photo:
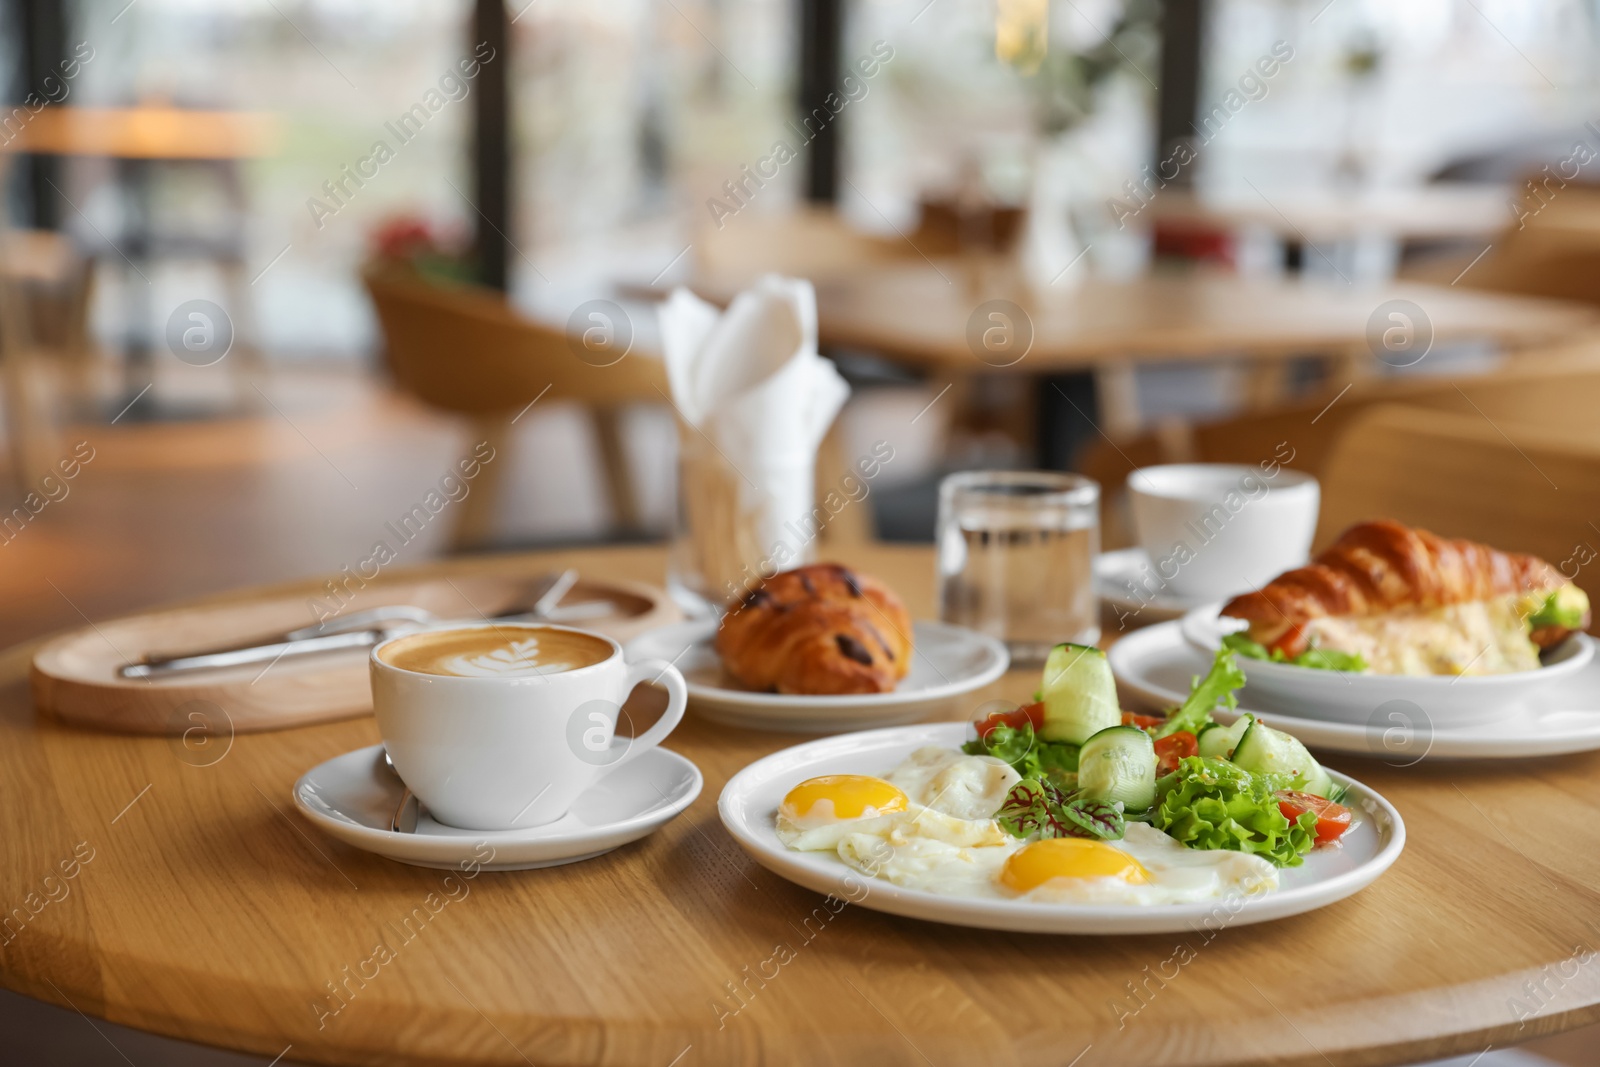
(74, 676)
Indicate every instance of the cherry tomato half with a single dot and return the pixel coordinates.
(1332, 819)
(1143, 722)
(1293, 642)
(1032, 714)
(1172, 748)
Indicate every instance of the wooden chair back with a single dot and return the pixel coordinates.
(1551, 249)
(465, 350)
(1517, 486)
(1559, 388)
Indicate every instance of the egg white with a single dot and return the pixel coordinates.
(968, 787)
(923, 863)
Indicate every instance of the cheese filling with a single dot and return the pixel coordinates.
(1480, 637)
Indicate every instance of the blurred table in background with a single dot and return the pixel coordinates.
(1448, 211)
(931, 316)
(139, 139)
(152, 132)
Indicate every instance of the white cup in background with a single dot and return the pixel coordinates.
(504, 753)
(1214, 530)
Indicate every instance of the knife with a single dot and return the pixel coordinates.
(361, 629)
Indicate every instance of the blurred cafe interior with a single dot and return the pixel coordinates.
(610, 313)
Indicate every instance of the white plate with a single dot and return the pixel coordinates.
(947, 662)
(1344, 696)
(351, 797)
(1155, 665)
(1123, 579)
(750, 801)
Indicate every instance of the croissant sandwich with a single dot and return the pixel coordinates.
(1398, 600)
(818, 629)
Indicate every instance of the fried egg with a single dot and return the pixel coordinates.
(968, 787)
(818, 812)
(1145, 867)
(928, 825)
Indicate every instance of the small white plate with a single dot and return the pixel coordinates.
(1155, 665)
(351, 797)
(947, 662)
(1123, 579)
(1344, 696)
(750, 801)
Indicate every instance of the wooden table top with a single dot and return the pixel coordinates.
(149, 132)
(920, 313)
(202, 906)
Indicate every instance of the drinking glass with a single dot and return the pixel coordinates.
(1016, 558)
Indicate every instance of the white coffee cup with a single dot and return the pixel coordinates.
(506, 753)
(1214, 530)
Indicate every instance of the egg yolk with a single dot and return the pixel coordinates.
(1031, 866)
(850, 795)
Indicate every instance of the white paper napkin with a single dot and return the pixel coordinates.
(750, 378)
(751, 382)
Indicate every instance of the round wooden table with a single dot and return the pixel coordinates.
(202, 906)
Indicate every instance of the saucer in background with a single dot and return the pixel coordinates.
(1115, 572)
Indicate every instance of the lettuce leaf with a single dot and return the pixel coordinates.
(1328, 659)
(1244, 646)
(1217, 687)
(1211, 803)
(1030, 756)
(1035, 809)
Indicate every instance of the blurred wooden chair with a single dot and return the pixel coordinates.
(952, 226)
(1550, 248)
(45, 288)
(30, 431)
(1558, 388)
(1524, 487)
(56, 283)
(466, 351)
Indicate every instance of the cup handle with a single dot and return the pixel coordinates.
(657, 671)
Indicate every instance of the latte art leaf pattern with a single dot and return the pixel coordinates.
(518, 658)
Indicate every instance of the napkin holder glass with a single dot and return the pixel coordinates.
(740, 520)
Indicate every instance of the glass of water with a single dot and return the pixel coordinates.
(1016, 558)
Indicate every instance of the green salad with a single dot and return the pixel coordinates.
(1087, 767)
(1327, 659)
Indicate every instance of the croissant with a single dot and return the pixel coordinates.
(818, 629)
(1385, 573)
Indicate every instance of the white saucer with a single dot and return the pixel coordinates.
(947, 662)
(750, 801)
(1154, 665)
(1344, 696)
(1123, 580)
(351, 797)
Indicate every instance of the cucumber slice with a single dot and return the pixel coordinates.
(1079, 694)
(1119, 763)
(1263, 750)
(1219, 741)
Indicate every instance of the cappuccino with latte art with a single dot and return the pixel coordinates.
(496, 652)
